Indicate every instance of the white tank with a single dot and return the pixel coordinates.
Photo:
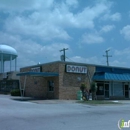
(7, 51)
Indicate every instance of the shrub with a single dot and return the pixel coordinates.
(83, 86)
(15, 92)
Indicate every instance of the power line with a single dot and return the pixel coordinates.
(69, 59)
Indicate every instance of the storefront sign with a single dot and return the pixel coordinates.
(76, 69)
(36, 69)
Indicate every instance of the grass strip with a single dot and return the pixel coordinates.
(98, 102)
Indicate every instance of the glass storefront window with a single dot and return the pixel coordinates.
(118, 89)
(126, 90)
(100, 89)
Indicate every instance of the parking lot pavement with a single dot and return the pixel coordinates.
(59, 115)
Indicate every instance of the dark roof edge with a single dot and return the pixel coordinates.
(40, 64)
(76, 63)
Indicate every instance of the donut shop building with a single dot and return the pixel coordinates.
(62, 80)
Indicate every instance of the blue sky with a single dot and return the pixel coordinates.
(38, 29)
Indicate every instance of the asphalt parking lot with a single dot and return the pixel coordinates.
(59, 115)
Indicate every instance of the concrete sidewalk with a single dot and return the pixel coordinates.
(42, 101)
(53, 101)
(21, 98)
(124, 101)
(57, 101)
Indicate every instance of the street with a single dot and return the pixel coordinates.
(28, 115)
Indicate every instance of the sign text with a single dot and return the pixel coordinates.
(76, 69)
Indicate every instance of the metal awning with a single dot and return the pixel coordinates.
(102, 76)
(43, 74)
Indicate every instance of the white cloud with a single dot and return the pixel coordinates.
(113, 17)
(41, 53)
(90, 60)
(30, 27)
(121, 57)
(72, 2)
(87, 16)
(98, 61)
(92, 38)
(31, 22)
(107, 28)
(22, 5)
(30, 52)
(126, 32)
(125, 52)
(49, 20)
(119, 63)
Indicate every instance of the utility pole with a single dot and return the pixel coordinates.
(64, 49)
(107, 56)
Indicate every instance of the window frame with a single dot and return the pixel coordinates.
(50, 86)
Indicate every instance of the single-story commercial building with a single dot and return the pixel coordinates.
(62, 80)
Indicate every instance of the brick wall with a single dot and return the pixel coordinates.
(69, 83)
(38, 86)
(66, 84)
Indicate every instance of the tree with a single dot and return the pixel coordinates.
(85, 90)
(94, 90)
(83, 87)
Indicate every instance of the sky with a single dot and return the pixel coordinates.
(38, 29)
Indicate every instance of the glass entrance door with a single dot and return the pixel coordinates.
(106, 91)
(126, 87)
